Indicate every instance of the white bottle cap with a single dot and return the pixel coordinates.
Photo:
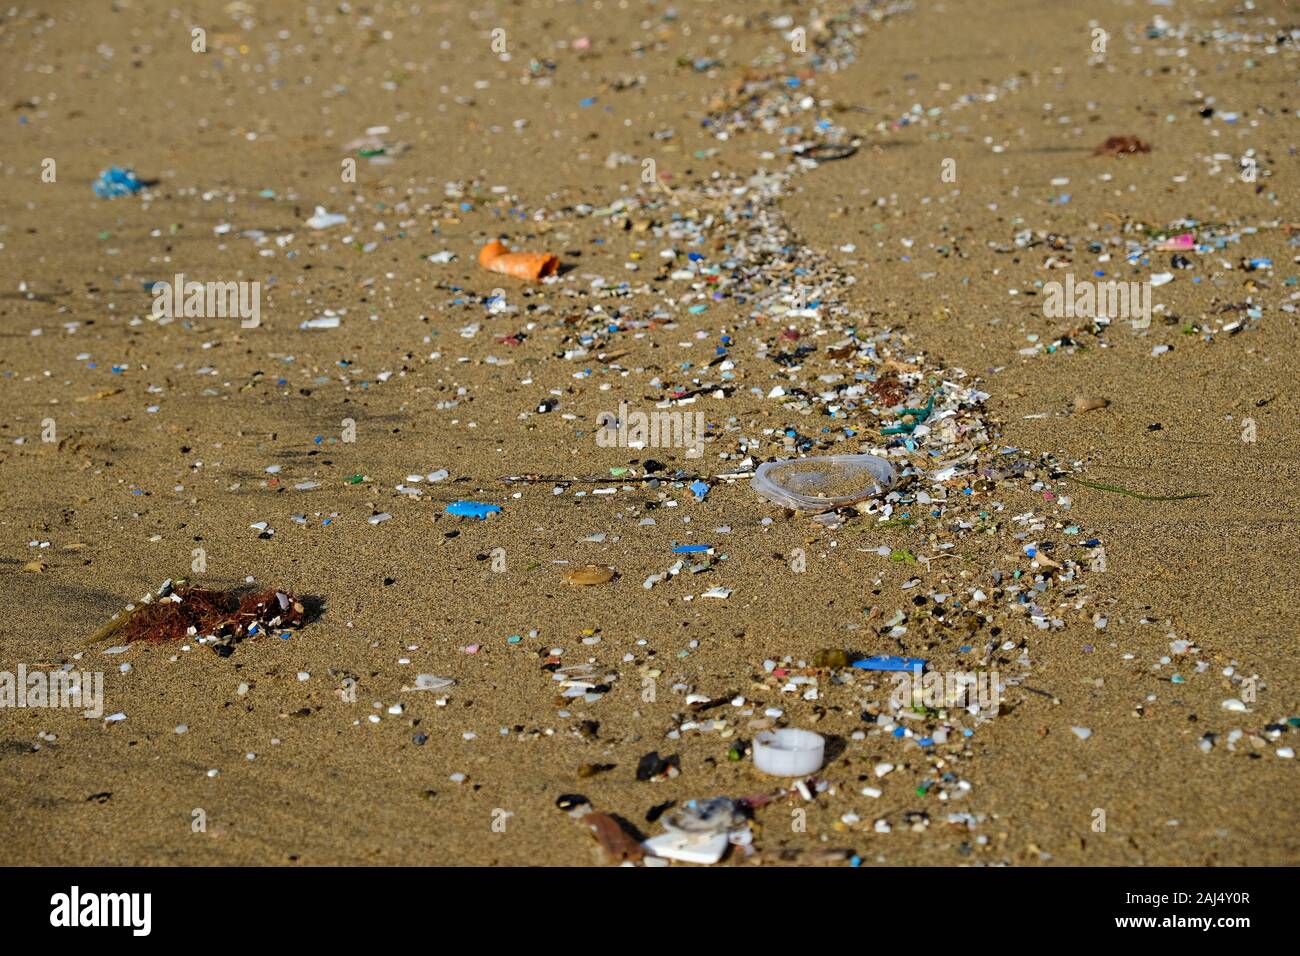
(788, 752)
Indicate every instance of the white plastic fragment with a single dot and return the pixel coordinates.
(325, 220)
(430, 682)
(789, 752)
(688, 847)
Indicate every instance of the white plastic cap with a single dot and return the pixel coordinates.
(789, 752)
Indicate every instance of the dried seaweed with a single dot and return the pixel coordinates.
(1122, 146)
(184, 610)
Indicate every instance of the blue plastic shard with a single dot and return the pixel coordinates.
(471, 509)
(888, 662)
(116, 181)
(692, 548)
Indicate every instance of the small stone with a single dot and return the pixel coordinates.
(615, 841)
(652, 766)
(589, 574)
(831, 658)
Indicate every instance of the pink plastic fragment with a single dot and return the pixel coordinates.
(1184, 242)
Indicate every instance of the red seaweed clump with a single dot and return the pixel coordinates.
(1122, 146)
(184, 610)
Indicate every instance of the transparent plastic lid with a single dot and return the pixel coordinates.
(824, 483)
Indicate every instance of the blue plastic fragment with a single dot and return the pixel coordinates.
(888, 662)
(471, 509)
(692, 548)
(116, 181)
(699, 489)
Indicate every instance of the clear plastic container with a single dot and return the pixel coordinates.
(823, 483)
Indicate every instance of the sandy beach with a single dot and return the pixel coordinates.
(822, 229)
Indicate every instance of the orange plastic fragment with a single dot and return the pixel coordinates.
(529, 266)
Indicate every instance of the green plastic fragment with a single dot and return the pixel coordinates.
(895, 523)
(916, 416)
